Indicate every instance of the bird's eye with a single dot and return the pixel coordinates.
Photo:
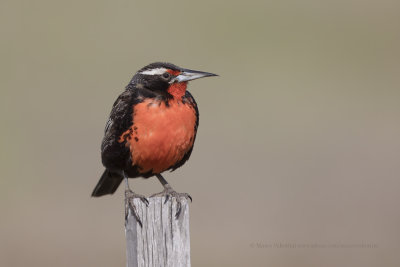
(166, 75)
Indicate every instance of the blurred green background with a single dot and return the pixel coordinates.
(298, 140)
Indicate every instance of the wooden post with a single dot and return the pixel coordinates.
(163, 240)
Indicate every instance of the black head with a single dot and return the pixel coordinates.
(159, 76)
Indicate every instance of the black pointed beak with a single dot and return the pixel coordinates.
(189, 75)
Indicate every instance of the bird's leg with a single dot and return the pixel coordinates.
(170, 192)
(129, 205)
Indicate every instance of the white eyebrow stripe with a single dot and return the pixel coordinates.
(156, 71)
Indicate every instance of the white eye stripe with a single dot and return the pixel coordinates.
(156, 71)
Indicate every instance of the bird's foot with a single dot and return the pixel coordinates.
(129, 205)
(168, 192)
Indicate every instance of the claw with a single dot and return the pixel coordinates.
(170, 193)
(126, 214)
(178, 209)
(145, 201)
(129, 205)
(166, 199)
(134, 213)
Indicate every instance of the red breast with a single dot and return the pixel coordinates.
(161, 134)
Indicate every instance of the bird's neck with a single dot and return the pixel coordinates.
(177, 90)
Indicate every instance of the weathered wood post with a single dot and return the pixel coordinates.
(163, 240)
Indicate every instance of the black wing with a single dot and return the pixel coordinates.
(115, 155)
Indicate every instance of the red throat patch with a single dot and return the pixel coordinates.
(177, 90)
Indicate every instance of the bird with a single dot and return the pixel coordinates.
(151, 129)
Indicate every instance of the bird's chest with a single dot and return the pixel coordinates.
(160, 134)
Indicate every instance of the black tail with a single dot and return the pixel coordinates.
(108, 183)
